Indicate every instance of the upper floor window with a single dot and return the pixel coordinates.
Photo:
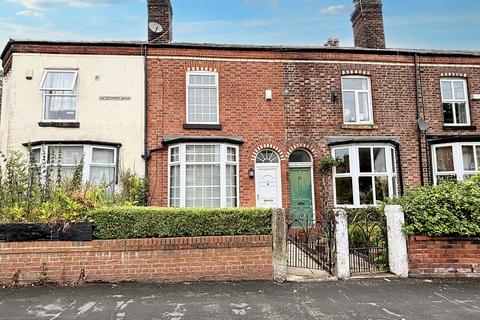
(367, 175)
(202, 98)
(455, 102)
(59, 95)
(455, 161)
(357, 100)
(203, 176)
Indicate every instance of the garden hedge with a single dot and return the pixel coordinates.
(447, 209)
(152, 222)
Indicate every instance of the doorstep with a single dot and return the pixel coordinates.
(308, 275)
(372, 275)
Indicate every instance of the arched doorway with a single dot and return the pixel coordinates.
(301, 185)
(268, 181)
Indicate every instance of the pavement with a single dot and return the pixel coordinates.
(354, 299)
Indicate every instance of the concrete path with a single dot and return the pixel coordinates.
(357, 299)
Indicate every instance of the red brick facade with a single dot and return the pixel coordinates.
(444, 257)
(302, 113)
(144, 260)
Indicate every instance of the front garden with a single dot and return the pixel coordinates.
(42, 202)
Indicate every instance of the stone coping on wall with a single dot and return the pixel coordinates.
(429, 238)
(180, 243)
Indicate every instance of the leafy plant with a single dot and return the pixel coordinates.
(151, 222)
(328, 163)
(42, 194)
(447, 209)
(133, 189)
(326, 166)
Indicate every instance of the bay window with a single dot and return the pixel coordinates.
(203, 176)
(59, 95)
(202, 97)
(366, 175)
(357, 100)
(99, 162)
(455, 102)
(455, 161)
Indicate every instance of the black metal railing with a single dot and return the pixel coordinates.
(367, 235)
(310, 243)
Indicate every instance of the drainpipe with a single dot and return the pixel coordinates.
(419, 131)
(146, 156)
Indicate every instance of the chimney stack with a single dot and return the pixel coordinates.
(367, 21)
(160, 11)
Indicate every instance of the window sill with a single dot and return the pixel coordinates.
(202, 126)
(359, 127)
(467, 128)
(59, 124)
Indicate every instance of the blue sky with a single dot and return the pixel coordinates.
(438, 24)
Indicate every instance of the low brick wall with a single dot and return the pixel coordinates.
(140, 260)
(444, 257)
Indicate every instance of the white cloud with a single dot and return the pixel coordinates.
(44, 5)
(30, 13)
(334, 9)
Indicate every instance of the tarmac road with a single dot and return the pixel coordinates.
(355, 299)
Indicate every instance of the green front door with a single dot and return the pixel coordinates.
(301, 193)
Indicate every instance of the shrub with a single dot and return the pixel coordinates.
(133, 189)
(447, 209)
(30, 193)
(151, 222)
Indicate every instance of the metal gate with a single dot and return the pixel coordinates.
(367, 234)
(310, 242)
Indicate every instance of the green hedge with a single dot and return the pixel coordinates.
(447, 209)
(151, 222)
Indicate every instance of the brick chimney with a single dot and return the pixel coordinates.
(160, 11)
(367, 21)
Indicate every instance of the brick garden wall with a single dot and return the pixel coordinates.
(444, 257)
(143, 260)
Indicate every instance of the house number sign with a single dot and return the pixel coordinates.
(114, 98)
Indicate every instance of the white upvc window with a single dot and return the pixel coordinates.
(59, 89)
(99, 162)
(367, 175)
(202, 97)
(357, 100)
(103, 166)
(456, 111)
(203, 175)
(65, 158)
(455, 161)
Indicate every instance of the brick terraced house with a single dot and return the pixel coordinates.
(237, 125)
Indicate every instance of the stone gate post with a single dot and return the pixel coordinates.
(397, 241)
(342, 264)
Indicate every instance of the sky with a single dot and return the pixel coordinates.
(427, 24)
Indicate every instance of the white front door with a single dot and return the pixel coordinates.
(268, 187)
